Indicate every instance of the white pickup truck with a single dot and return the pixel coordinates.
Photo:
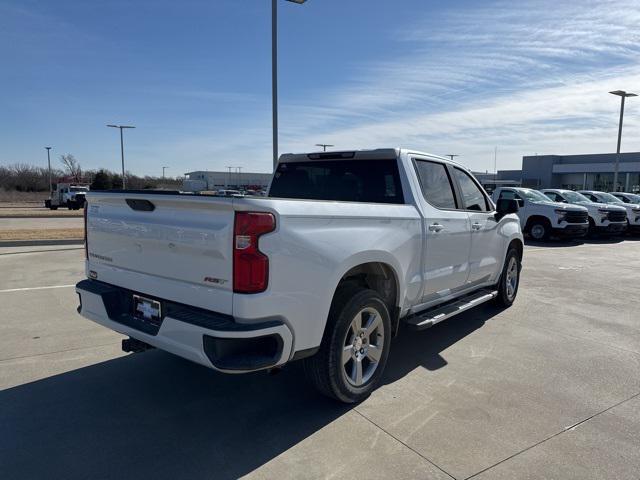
(541, 218)
(633, 209)
(603, 217)
(346, 247)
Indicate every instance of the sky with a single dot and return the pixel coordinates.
(194, 77)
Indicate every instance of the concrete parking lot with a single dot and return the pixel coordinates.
(547, 389)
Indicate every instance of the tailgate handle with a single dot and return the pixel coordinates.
(140, 205)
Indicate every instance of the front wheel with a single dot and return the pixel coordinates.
(354, 348)
(539, 230)
(509, 279)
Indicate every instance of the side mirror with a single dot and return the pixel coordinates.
(505, 206)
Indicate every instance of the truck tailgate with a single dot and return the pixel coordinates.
(174, 247)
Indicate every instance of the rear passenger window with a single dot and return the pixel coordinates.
(472, 196)
(436, 184)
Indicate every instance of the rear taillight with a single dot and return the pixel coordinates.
(250, 265)
(86, 246)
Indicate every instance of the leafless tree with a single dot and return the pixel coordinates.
(72, 166)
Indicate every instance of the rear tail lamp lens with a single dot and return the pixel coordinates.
(250, 265)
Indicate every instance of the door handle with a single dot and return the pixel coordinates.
(476, 226)
(435, 227)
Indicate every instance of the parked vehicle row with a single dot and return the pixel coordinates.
(570, 214)
(346, 247)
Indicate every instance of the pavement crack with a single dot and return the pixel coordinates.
(403, 443)
(564, 430)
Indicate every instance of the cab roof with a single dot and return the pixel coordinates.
(369, 154)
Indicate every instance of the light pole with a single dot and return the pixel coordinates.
(163, 169)
(49, 163)
(228, 178)
(622, 94)
(274, 74)
(452, 155)
(324, 146)
(122, 127)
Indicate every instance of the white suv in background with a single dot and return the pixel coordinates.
(633, 209)
(603, 217)
(541, 218)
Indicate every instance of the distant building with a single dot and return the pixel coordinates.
(503, 178)
(589, 172)
(206, 180)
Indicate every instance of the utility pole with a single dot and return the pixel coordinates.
(49, 163)
(122, 127)
(623, 95)
(274, 74)
(163, 169)
(228, 177)
(324, 146)
(495, 164)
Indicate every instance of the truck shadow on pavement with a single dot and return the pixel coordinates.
(153, 415)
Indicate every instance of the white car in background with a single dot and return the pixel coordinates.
(633, 209)
(542, 218)
(603, 217)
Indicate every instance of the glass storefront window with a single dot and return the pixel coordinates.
(601, 181)
(634, 183)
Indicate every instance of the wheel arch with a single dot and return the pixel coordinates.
(379, 275)
(518, 245)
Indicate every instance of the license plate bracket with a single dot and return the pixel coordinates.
(147, 309)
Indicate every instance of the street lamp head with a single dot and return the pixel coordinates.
(299, 2)
(622, 93)
(113, 126)
(47, 148)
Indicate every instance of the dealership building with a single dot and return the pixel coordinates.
(577, 172)
(206, 180)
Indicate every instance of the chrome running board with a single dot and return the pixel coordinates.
(429, 318)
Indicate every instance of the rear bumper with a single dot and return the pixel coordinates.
(572, 230)
(208, 338)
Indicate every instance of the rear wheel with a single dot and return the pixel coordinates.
(510, 279)
(354, 348)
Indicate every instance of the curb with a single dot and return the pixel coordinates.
(38, 243)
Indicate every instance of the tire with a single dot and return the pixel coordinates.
(539, 229)
(507, 288)
(352, 380)
(54, 208)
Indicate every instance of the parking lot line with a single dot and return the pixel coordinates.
(26, 289)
